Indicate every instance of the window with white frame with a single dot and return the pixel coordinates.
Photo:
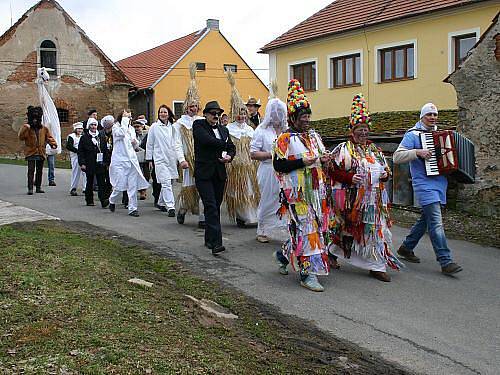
(396, 63)
(306, 74)
(230, 67)
(460, 43)
(178, 108)
(345, 70)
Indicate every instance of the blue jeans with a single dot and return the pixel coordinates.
(432, 221)
(51, 161)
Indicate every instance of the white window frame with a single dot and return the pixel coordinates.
(377, 67)
(341, 54)
(173, 105)
(305, 61)
(451, 44)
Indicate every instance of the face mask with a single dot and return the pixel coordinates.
(125, 121)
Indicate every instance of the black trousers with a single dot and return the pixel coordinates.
(100, 175)
(32, 165)
(156, 186)
(212, 192)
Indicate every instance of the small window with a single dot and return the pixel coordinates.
(48, 56)
(397, 63)
(230, 67)
(463, 44)
(178, 106)
(346, 71)
(306, 74)
(63, 115)
(200, 66)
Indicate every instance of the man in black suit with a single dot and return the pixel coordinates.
(213, 148)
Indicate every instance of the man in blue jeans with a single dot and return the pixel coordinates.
(430, 192)
(51, 163)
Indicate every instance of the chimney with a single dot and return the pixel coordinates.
(213, 24)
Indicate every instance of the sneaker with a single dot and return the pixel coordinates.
(112, 207)
(171, 212)
(218, 249)
(181, 217)
(39, 190)
(262, 239)
(282, 266)
(379, 275)
(451, 268)
(408, 255)
(105, 203)
(311, 282)
(202, 224)
(240, 223)
(30, 191)
(134, 213)
(162, 208)
(52, 183)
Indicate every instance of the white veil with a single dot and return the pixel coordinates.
(50, 116)
(275, 114)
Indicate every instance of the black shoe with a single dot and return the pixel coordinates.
(181, 217)
(202, 225)
(30, 191)
(83, 192)
(408, 255)
(73, 193)
(218, 249)
(240, 223)
(39, 190)
(105, 203)
(382, 276)
(209, 245)
(162, 208)
(112, 207)
(171, 212)
(451, 268)
(90, 204)
(134, 213)
(52, 183)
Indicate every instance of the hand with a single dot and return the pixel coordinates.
(225, 159)
(150, 165)
(424, 154)
(184, 165)
(309, 161)
(134, 142)
(83, 168)
(357, 179)
(384, 175)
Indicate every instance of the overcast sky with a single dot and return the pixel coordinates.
(122, 28)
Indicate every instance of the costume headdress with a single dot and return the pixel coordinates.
(296, 100)
(237, 104)
(192, 94)
(359, 112)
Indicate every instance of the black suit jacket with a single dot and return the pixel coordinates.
(208, 149)
(87, 153)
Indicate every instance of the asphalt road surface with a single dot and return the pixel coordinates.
(423, 320)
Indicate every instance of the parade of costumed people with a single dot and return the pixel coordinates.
(188, 199)
(359, 220)
(261, 147)
(72, 146)
(298, 156)
(242, 191)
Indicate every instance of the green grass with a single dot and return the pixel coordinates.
(65, 164)
(66, 305)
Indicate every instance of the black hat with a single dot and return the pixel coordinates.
(91, 110)
(212, 105)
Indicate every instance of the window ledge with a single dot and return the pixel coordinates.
(397, 80)
(345, 86)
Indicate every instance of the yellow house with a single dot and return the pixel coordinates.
(161, 74)
(395, 52)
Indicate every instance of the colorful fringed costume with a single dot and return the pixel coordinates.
(303, 200)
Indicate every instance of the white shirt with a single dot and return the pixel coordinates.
(238, 130)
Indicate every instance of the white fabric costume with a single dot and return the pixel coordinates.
(124, 172)
(263, 141)
(76, 171)
(164, 147)
(50, 116)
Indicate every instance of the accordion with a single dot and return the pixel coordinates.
(452, 154)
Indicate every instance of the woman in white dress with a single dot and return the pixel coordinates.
(72, 146)
(261, 149)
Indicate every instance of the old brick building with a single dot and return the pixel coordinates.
(84, 76)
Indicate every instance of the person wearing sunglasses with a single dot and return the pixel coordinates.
(213, 148)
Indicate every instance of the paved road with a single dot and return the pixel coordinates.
(423, 320)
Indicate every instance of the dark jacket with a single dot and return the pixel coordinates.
(208, 149)
(87, 153)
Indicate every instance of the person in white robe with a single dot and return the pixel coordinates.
(261, 147)
(124, 171)
(164, 148)
(72, 146)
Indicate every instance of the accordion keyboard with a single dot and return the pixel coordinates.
(431, 164)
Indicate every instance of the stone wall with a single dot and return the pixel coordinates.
(477, 83)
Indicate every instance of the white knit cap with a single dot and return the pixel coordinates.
(107, 120)
(91, 121)
(428, 108)
(78, 125)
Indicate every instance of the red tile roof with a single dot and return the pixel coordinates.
(344, 15)
(145, 68)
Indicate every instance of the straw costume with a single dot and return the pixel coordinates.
(360, 222)
(188, 199)
(303, 193)
(242, 190)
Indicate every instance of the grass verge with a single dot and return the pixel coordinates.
(66, 307)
